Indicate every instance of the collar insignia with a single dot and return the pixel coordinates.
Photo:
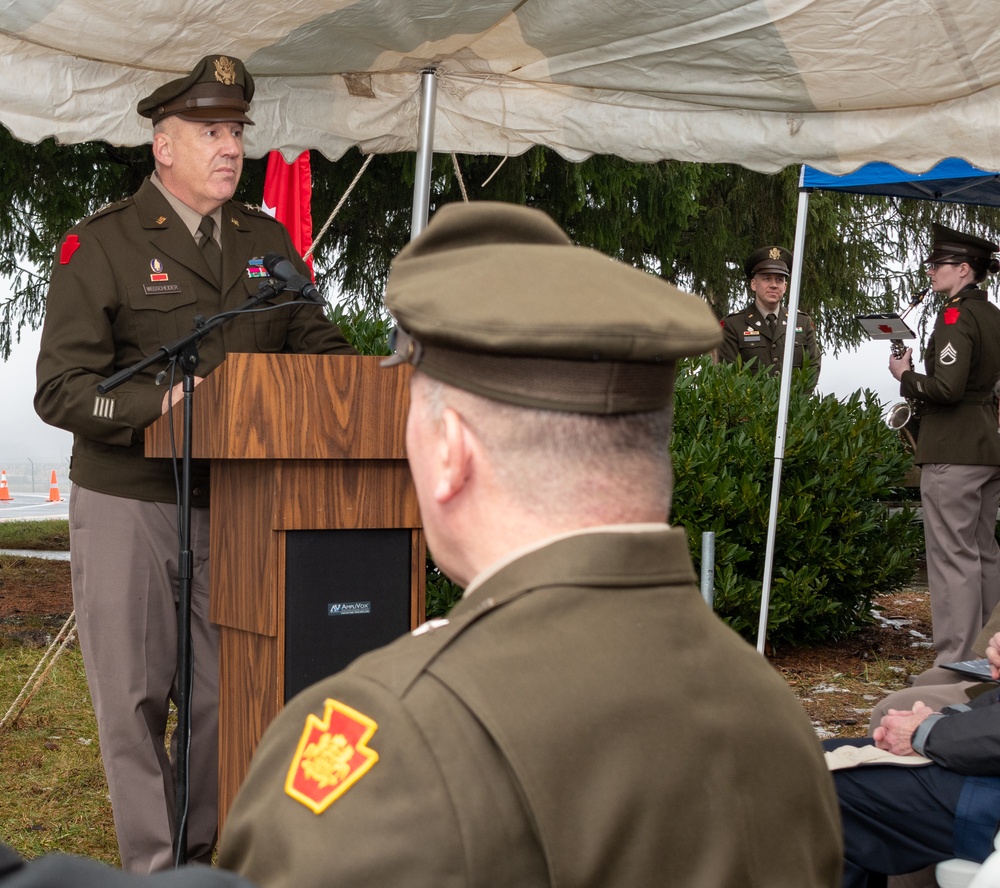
(160, 220)
(331, 757)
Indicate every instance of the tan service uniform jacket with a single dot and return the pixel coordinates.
(746, 335)
(125, 282)
(581, 719)
(958, 422)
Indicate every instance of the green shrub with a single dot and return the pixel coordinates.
(837, 544)
(366, 331)
(442, 593)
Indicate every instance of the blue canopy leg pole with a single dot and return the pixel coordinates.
(783, 401)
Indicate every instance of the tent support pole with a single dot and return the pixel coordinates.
(783, 401)
(425, 153)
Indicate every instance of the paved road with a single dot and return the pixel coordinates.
(31, 506)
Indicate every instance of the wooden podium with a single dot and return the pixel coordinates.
(317, 553)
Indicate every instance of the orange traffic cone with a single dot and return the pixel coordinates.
(54, 489)
(4, 492)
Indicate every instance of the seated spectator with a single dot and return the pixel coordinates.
(70, 871)
(899, 819)
(938, 687)
(580, 717)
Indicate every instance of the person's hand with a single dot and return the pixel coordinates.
(898, 366)
(175, 394)
(895, 733)
(993, 655)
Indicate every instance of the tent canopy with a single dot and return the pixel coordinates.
(762, 83)
(953, 181)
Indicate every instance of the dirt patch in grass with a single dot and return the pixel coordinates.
(35, 598)
(34, 587)
(838, 683)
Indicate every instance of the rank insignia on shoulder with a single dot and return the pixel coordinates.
(948, 356)
(951, 315)
(331, 757)
(69, 246)
(255, 269)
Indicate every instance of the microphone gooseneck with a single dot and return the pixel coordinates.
(281, 269)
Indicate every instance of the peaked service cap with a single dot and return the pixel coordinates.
(493, 298)
(218, 89)
(946, 243)
(776, 260)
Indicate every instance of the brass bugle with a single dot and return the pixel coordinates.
(902, 418)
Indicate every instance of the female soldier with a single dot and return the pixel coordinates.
(958, 448)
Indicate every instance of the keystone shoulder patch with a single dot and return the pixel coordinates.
(331, 757)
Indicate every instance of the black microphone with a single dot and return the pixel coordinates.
(280, 268)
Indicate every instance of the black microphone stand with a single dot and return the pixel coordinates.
(185, 351)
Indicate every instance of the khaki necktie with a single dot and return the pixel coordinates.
(212, 251)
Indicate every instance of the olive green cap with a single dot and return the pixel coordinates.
(768, 260)
(950, 244)
(493, 298)
(218, 89)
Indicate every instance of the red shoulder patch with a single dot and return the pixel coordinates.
(951, 315)
(331, 757)
(68, 248)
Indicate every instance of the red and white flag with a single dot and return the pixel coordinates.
(288, 197)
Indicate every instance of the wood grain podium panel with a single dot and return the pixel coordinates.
(296, 442)
(294, 407)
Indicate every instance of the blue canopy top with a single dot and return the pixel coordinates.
(952, 180)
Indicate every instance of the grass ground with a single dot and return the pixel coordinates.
(55, 797)
(53, 794)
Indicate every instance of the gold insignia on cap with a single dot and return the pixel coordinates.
(774, 253)
(225, 71)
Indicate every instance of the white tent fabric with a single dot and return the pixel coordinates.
(762, 83)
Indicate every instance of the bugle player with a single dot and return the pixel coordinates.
(958, 448)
